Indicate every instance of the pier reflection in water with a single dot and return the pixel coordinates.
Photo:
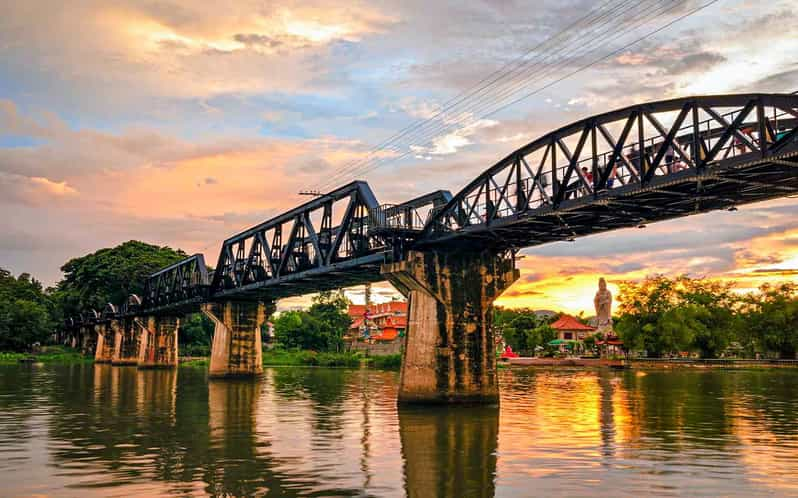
(449, 451)
(98, 430)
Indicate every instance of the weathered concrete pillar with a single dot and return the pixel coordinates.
(158, 343)
(105, 343)
(237, 350)
(88, 343)
(450, 353)
(126, 342)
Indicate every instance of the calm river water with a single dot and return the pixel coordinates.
(93, 430)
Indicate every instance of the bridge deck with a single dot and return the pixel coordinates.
(743, 180)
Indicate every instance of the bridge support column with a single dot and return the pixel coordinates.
(105, 343)
(237, 350)
(158, 344)
(450, 352)
(88, 342)
(126, 342)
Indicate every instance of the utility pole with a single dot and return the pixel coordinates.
(367, 322)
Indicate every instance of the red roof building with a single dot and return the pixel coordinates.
(569, 328)
(386, 321)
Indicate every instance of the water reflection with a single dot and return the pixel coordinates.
(449, 451)
(98, 430)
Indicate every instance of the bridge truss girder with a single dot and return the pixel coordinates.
(327, 236)
(591, 170)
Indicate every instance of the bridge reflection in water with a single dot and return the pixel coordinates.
(106, 430)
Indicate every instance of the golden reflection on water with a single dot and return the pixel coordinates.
(98, 430)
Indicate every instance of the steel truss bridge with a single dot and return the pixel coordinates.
(624, 168)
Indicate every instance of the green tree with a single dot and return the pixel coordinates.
(521, 329)
(26, 312)
(195, 334)
(663, 315)
(332, 308)
(708, 308)
(321, 328)
(110, 275)
(771, 319)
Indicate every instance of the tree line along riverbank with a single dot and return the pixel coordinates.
(656, 317)
(662, 317)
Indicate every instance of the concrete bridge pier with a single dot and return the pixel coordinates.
(237, 349)
(158, 343)
(450, 352)
(105, 343)
(88, 339)
(126, 342)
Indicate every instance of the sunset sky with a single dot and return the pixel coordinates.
(180, 123)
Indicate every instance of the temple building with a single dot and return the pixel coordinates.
(569, 328)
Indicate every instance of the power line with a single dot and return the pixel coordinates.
(492, 79)
(445, 129)
(484, 106)
(474, 88)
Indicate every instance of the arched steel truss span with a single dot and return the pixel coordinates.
(623, 168)
(627, 167)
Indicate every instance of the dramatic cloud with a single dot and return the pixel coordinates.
(180, 123)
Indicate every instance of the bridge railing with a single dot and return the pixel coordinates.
(631, 146)
(409, 216)
(183, 281)
(395, 217)
(625, 172)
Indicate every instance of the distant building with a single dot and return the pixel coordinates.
(382, 322)
(570, 329)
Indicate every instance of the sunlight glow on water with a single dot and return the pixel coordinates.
(96, 430)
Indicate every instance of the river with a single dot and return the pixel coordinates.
(94, 430)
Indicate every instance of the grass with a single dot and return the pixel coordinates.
(290, 358)
(50, 354)
(386, 362)
(195, 350)
(280, 357)
(196, 363)
(274, 357)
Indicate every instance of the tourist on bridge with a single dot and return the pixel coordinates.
(588, 176)
(613, 175)
(670, 156)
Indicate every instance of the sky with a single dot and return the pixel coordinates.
(181, 123)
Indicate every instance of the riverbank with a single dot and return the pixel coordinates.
(651, 363)
(51, 354)
(281, 358)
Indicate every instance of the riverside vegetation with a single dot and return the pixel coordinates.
(663, 316)
(658, 316)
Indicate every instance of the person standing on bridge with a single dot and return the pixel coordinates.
(670, 155)
(588, 176)
(613, 175)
